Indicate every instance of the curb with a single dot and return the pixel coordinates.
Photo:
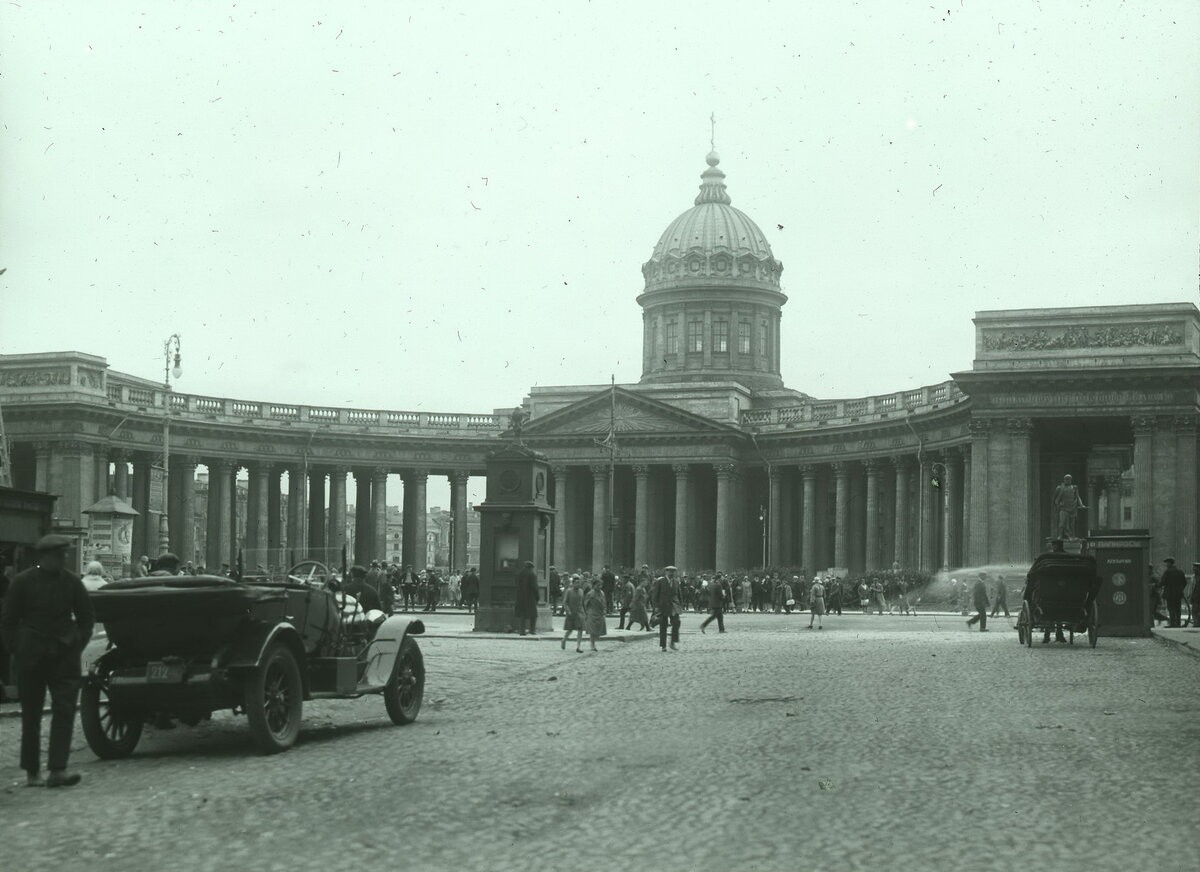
(540, 637)
(1172, 640)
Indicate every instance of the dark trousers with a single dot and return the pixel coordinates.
(719, 616)
(529, 619)
(1000, 604)
(1174, 611)
(59, 675)
(981, 617)
(623, 613)
(662, 629)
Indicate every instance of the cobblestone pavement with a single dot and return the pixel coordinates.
(880, 743)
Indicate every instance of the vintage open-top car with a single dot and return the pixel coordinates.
(181, 647)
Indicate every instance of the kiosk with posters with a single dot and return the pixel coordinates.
(1123, 560)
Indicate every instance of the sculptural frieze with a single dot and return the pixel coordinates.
(35, 378)
(1117, 336)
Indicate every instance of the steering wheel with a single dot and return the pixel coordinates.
(311, 572)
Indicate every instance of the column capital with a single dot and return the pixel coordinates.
(640, 470)
(1113, 480)
(379, 472)
(725, 470)
(979, 427)
(873, 465)
(224, 466)
(1144, 424)
(964, 451)
(775, 473)
(807, 470)
(681, 470)
(840, 468)
(338, 470)
(118, 455)
(1020, 426)
(599, 470)
(459, 477)
(184, 460)
(416, 476)
(903, 461)
(559, 469)
(1185, 424)
(259, 467)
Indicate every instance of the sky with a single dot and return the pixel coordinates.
(437, 206)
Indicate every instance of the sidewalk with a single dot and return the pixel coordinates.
(1184, 638)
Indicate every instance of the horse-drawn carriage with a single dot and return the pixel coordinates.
(1060, 594)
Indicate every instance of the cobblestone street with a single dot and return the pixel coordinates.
(877, 743)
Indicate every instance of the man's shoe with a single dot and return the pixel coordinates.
(674, 646)
(62, 779)
(34, 780)
(702, 630)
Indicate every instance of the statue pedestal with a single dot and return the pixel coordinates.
(502, 619)
(1070, 546)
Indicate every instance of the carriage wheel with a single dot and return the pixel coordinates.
(1093, 621)
(1027, 616)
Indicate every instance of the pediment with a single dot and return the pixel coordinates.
(626, 413)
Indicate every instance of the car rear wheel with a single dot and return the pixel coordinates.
(274, 700)
(110, 734)
(404, 692)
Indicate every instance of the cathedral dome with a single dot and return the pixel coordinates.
(712, 244)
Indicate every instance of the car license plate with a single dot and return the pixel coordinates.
(164, 673)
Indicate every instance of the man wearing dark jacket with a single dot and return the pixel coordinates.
(527, 598)
(665, 597)
(979, 594)
(1173, 583)
(716, 604)
(47, 622)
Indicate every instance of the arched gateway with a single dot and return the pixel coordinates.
(709, 461)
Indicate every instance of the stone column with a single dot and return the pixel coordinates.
(949, 486)
(234, 514)
(415, 481)
(775, 517)
(599, 517)
(120, 484)
(808, 517)
(145, 524)
(1143, 460)
(378, 551)
(258, 517)
(186, 486)
(980, 541)
(1112, 498)
(316, 515)
(274, 525)
(297, 526)
(1095, 487)
(364, 526)
(641, 514)
(683, 515)
(1020, 433)
(903, 464)
(1185, 502)
(335, 537)
(964, 452)
(841, 475)
(873, 466)
(459, 511)
(561, 518)
(219, 511)
(724, 532)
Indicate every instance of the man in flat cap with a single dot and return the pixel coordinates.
(527, 599)
(1173, 584)
(47, 621)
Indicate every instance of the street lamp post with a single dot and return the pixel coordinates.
(164, 523)
(762, 520)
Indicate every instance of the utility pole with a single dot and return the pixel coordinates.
(5, 459)
(609, 445)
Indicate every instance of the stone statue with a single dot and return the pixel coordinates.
(517, 422)
(1066, 503)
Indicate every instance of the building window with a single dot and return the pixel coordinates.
(762, 340)
(744, 337)
(720, 330)
(672, 338)
(1128, 513)
(695, 337)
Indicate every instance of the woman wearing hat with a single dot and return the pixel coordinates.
(573, 613)
(595, 606)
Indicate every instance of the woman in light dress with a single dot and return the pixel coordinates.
(573, 613)
(816, 596)
(595, 605)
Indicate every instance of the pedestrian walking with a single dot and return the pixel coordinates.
(47, 622)
(595, 606)
(880, 599)
(555, 590)
(816, 597)
(664, 596)
(979, 593)
(637, 608)
(1001, 601)
(1173, 583)
(470, 590)
(573, 613)
(716, 605)
(625, 596)
(527, 599)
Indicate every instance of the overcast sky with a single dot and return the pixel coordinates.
(436, 206)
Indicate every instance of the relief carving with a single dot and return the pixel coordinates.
(35, 378)
(1082, 337)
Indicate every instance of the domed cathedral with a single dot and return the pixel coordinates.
(712, 302)
(707, 462)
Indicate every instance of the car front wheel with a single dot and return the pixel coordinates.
(404, 692)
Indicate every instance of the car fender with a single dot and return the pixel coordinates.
(380, 654)
(248, 649)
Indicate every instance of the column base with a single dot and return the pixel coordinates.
(501, 619)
